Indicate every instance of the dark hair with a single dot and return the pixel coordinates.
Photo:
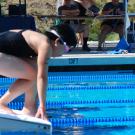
(66, 33)
(52, 36)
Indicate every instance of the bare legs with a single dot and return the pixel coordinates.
(19, 87)
(11, 66)
(105, 30)
(80, 38)
(30, 105)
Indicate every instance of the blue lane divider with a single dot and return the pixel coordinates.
(89, 73)
(76, 87)
(16, 105)
(2, 91)
(101, 121)
(82, 88)
(62, 104)
(7, 80)
(97, 78)
(70, 77)
(22, 133)
(100, 87)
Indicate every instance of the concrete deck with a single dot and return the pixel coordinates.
(78, 57)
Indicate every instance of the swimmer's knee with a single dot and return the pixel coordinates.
(2, 103)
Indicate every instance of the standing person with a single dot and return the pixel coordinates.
(24, 55)
(111, 25)
(73, 8)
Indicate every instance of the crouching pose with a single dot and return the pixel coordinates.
(24, 55)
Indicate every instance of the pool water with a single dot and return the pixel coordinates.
(94, 131)
(88, 103)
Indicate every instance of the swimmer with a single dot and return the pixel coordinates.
(24, 54)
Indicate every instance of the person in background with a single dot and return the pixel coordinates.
(111, 25)
(86, 8)
(24, 54)
(71, 8)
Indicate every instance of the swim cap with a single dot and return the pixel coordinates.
(66, 33)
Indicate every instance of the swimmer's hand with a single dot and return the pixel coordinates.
(41, 113)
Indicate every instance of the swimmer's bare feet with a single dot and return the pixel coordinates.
(30, 112)
(4, 108)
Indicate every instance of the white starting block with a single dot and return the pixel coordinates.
(20, 122)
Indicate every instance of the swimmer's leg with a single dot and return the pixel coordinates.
(19, 87)
(30, 104)
(11, 66)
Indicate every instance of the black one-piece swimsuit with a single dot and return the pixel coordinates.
(13, 43)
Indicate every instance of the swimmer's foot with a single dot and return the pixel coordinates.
(30, 112)
(5, 109)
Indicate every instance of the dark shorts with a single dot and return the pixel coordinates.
(112, 23)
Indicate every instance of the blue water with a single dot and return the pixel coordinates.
(87, 103)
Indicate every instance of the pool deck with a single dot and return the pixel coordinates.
(78, 57)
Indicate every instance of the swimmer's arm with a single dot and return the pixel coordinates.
(42, 75)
